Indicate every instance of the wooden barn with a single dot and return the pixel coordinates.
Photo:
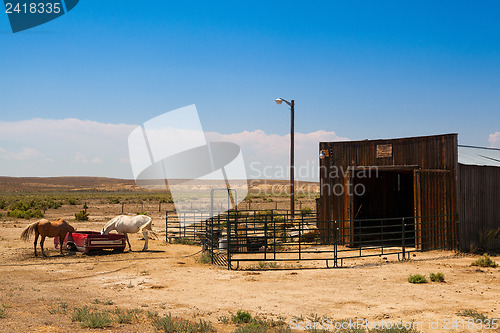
(369, 185)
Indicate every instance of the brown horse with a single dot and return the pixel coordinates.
(58, 228)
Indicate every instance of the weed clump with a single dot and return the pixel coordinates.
(82, 216)
(242, 317)
(437, 277)
(91, 318)
(180, 325)
(417, 278)
(484, 261)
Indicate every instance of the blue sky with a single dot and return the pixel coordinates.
(362, 70)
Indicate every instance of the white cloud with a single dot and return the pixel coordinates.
(73, 147)
(495, 140)
(24, 155)
(77, 147)
(80, 158)
(268, 155)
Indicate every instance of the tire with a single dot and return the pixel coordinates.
(71, 247)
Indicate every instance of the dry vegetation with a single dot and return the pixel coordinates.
(169, 290)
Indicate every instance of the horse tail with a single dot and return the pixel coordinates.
(25, 235)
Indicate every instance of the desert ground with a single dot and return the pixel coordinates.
(40, 294)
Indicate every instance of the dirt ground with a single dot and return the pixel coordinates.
(168, 280)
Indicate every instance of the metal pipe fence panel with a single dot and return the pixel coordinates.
(235, 237)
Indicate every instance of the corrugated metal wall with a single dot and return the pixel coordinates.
(433, 160)
(478, 202)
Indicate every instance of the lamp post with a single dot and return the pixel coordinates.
(292, 166)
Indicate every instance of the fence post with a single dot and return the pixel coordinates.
(335, 237)
(265, 238)
(166, 227)
(403, 237)
(301, 222)
(228, 242)
(211, 245)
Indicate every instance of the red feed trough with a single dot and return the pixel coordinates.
(86, 241)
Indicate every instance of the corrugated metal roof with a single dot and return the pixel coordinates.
(478, 156)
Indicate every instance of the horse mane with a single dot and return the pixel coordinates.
(113, 220)
(25, 235)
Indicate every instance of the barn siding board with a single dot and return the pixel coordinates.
(436, 192)
(479, 202)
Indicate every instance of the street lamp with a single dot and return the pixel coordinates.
(292, 190)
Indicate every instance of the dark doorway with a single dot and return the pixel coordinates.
(380, 200)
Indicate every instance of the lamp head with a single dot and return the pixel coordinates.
(278, 101)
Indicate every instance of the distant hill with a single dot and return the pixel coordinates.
(51, 184)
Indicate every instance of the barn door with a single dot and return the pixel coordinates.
(434, 208)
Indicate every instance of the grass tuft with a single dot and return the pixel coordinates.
(205, 258)
(3, 312)
(241, 317)
(417, 278)
(484, 261)
(91, 318)
(437, 277)
(180, 325)
(473, 314)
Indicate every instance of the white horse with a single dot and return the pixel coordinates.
(124, 224)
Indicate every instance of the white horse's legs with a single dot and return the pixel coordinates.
(146, 237)
(126, 236)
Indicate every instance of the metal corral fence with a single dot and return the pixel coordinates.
(192, 226)
(266, 236)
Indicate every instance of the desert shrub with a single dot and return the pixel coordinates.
(180, 325)
(241, 317)
(62, 307)
(263, 215)
(91, 318)
(25, 214)
(142, 213)
(167, 200)
(3, 204)
(205, 258)
(417, 278)
(125, 317)
(279, 219)
(437, 277)
(258, 325)
(473, 314)
(238, 214)
(268, 265)
(114, 201)
(484, 261)
(184, 241)
(81, 216)
(3, 312)
(253, 328)
(36, 204)
(72, 202)
(306, 211)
